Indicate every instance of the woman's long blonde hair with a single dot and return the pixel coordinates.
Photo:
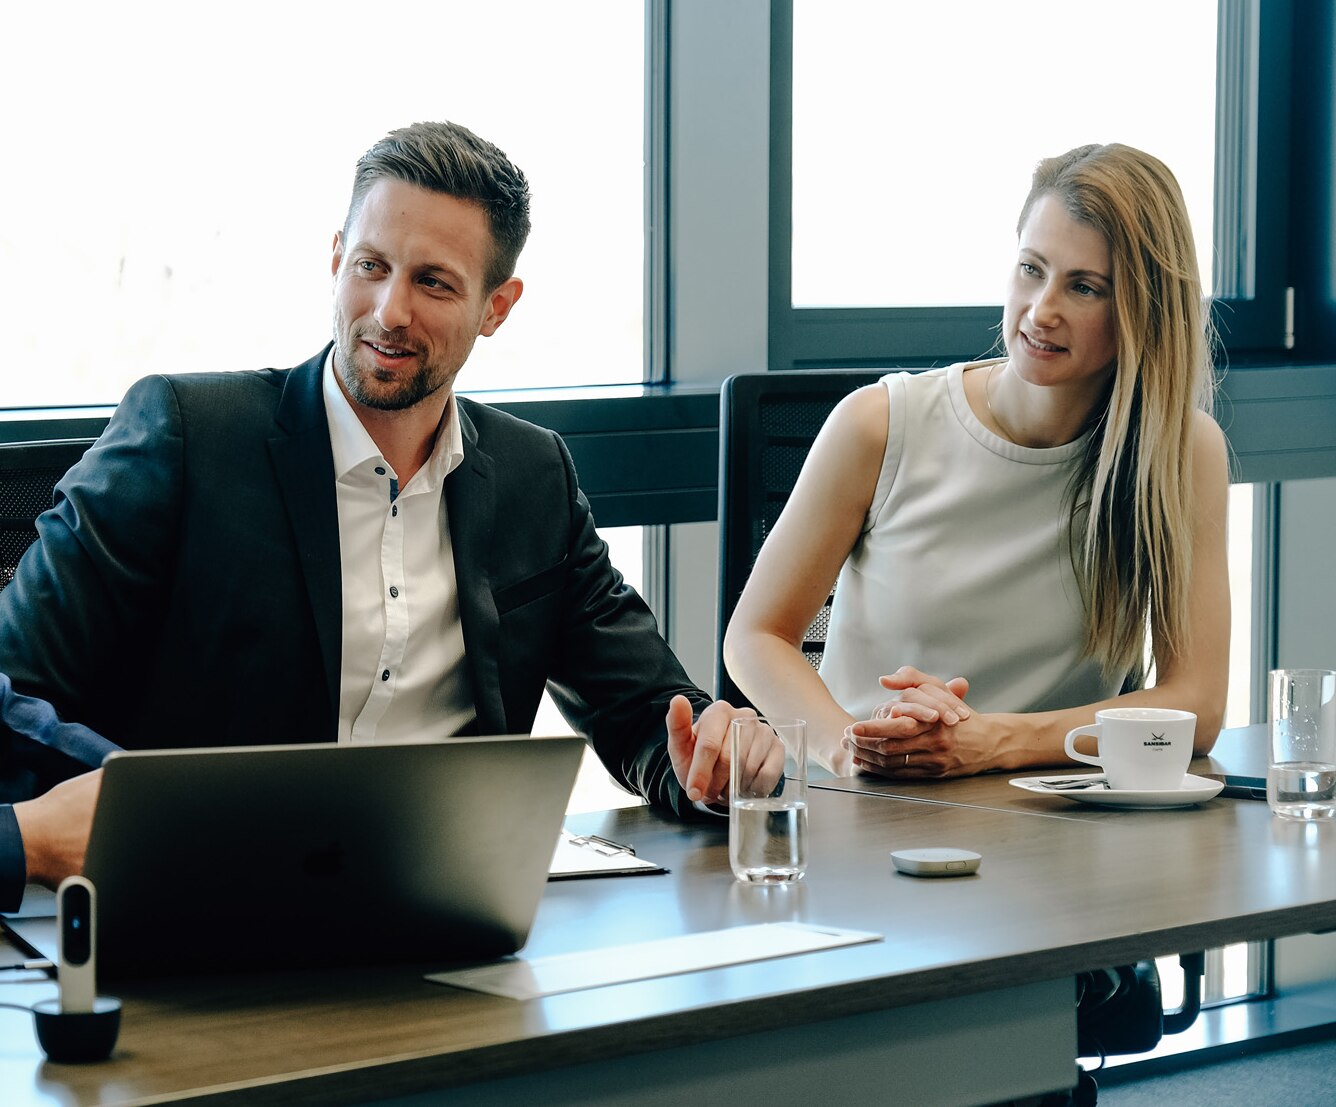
(1131, 519)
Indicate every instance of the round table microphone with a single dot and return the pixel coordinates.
(79, 1025)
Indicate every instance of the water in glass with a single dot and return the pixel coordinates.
(767, 841)
(1302, 790)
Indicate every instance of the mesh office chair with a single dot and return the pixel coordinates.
(767, 424)
(28, 473)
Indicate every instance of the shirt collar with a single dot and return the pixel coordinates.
(353, 446)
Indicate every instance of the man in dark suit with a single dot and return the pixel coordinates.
(345, 550)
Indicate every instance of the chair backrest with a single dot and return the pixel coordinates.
(767, 424)
(28, 473)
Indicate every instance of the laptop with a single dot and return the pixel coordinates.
(303, 855)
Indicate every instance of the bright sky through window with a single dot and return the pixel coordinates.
(916, 128)
(175, 175)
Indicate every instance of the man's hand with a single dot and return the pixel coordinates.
(760, 765)
(55, 828)
(700, 753)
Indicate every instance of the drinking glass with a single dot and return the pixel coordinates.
(767, 793)
(1301, 772)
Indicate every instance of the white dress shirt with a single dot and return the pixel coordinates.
(402, 672)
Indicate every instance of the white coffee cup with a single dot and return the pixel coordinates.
(1140, 749)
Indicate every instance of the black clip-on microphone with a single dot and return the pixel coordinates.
(79, 1025)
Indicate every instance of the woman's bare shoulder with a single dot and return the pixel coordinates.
(862, 414)
(846, 457)
(1210, 463)
(1207, 439)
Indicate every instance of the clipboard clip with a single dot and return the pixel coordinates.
(606, 846)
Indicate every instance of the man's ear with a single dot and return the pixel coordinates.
(338, 254)
(499, 302)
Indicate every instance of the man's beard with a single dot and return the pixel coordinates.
(405, 392)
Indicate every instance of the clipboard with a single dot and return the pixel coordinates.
(587, 855)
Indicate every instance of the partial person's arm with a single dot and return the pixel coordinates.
(1195, 679)
(72, 619)
(54, 829)
(43, 839)
(797, 567)
(68, 623)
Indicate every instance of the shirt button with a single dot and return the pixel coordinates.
(394, 510)
(394, 592)
(385, 675)
(380, 470)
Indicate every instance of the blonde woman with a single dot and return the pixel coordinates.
(1016, 525)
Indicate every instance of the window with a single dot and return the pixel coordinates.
(925, 153)
(172, 196)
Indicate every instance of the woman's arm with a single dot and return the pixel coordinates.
(1194, 679)
(797, 567)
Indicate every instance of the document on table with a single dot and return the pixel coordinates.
(597, 968)
(589, 855)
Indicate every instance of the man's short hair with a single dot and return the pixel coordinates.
(448, 158)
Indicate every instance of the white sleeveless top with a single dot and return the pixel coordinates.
(963, 567)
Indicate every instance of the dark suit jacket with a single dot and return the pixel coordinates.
(185, 590)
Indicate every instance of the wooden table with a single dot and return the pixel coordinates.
(968, 999)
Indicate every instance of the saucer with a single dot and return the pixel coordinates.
(1196, 789)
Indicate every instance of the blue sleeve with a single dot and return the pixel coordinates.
(13, 867)
(37, 751)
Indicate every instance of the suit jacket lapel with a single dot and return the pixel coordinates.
(304, 464)
(470, 508)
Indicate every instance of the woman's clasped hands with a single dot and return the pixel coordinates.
(928, 731)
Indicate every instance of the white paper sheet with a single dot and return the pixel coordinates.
(544, 976)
